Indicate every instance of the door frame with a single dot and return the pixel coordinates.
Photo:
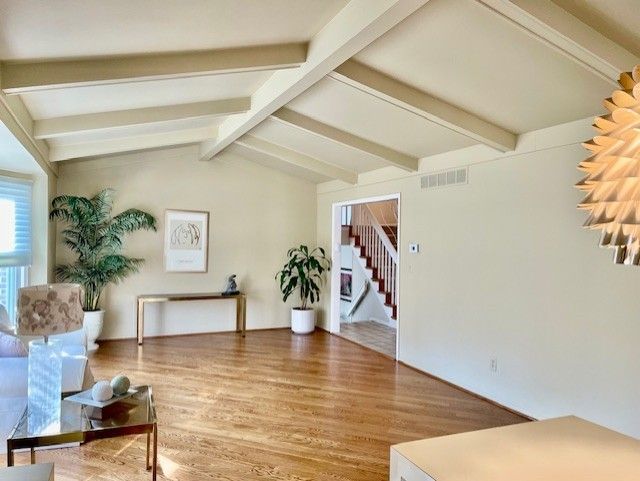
(336, 236)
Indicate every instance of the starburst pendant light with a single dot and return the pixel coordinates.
(612, 184)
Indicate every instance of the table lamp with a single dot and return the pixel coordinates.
(44, 311)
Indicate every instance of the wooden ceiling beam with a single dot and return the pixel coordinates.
(24, 77)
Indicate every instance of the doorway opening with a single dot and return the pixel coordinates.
(364, 294)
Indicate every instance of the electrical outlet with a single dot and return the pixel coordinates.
(414, 248)
(493, 364)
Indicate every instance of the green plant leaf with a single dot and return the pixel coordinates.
(97, 240)
(303, 271)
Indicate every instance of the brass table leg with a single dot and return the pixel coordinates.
(241, 314)
(238, 313)
(155, 452)
(244, 315)
(33, 456)
(148, 446)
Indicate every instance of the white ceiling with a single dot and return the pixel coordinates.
(13, 156)
(278, 164)
(618, 20)
(494, 70)
(483, 66)
(35, 29)
(136, 95)
(137, 130)
(354, 111)
(317, 147)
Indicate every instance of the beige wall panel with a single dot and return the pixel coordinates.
(256, 214)
(505, 271)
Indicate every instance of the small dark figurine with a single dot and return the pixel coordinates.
(232, 287)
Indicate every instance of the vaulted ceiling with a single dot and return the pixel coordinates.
(320, 89)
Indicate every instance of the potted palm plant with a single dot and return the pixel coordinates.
(97, 239)
(303, 272)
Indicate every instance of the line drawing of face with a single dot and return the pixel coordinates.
(185, 235)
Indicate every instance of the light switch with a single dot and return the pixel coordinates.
(414, 248)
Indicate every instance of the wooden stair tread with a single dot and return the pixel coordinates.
(367, 260)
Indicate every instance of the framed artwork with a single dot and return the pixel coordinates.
(346, 277)
(186, 241)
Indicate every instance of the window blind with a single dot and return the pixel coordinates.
(15, 222)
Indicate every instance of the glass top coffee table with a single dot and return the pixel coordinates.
(80, 424)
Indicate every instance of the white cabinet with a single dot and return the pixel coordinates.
(401, 469)
(561, 449)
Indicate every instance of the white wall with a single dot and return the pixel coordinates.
(370, 307)
(256, 214)
(506, 271)
(16, 160)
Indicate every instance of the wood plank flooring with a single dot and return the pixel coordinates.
(272, 406)
(371, 334)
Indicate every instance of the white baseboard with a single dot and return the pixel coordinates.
(390, 323)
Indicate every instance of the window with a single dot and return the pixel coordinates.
(15, 240)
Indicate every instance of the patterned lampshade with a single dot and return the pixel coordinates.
(49, 309)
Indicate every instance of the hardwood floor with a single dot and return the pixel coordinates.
(371, 334)
(271, 406)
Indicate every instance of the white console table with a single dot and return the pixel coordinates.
(561, 449)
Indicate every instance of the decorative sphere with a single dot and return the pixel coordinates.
(120, 384)
(101, 391)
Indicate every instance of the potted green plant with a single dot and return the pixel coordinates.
(97, 239)
(303, 272)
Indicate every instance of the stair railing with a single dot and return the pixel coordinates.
(358, 299)
(377, 247)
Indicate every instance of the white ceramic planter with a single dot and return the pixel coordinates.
(303, 321)
(92, 324)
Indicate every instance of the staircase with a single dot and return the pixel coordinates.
(376, 247)
(392, 234)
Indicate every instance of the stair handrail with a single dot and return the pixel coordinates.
(359, 298)
(382, 234)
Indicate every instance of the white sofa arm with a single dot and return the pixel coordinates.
(14, 372)
(13, 377)
(11, 409)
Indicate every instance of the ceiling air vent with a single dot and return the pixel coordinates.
(445, 178)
